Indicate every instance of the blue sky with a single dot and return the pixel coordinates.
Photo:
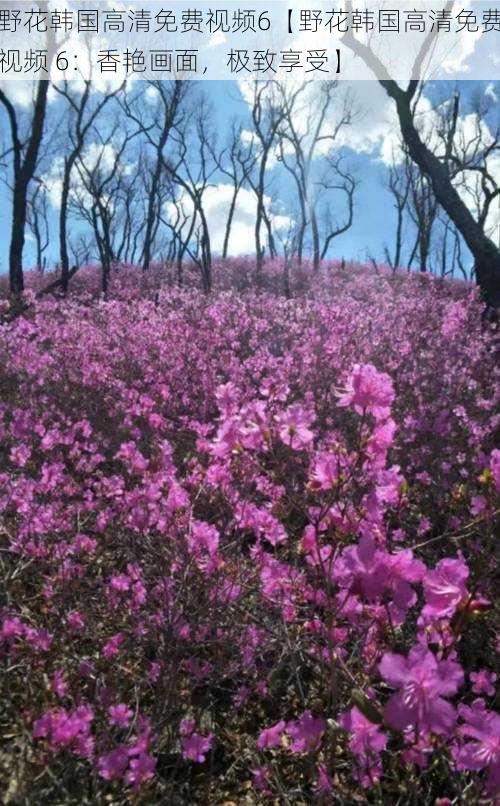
(374, 218)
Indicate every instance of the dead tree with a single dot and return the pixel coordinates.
(436, 167)
(37, 217)
(191, 168)
(306, 128)
(268, 112)
(337, 179)
(98, 199)
(156, 121)
(423, 210)
(24, 150)
(24, 153)
(398, 186)
(83, 112)
(236, 162)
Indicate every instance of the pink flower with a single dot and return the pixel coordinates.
(58, 685)
(327, 468)
(483, 751)
(483, 682)
(195, 747)
(495, 467)
(368, 391)
(143, 739)
(424, 526)
(154, 672)
(187, 726)
(271, 737)
(39, 640)
(366, 743)
(294, 427)
(260, 777)
(66, 729)
(76, 622)
(112, 647)
(85, 668)
(12, 628)
(454, 318)
(120, 583)
(203, 537)
(19, 455)
(132, 458)
(120, 715)
(324, 783)
(142, 768)
(380, 441)
(371, 571)
(444, 589)
(306, 732)
(84, 544)
(112, 765)
(423, 683)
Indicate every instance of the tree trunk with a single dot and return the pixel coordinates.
(315, 237)
(63, 223)
(17, 240)
(23, 174)
(229, 223)
(168, 121)
(485, 253)
(259, 256)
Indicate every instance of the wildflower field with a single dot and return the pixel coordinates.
(247, 543)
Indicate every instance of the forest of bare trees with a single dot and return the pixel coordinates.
(129, 169)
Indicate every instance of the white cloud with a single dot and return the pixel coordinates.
(490, 92)
(216, 201)
(216, 39)
(20, 93)
(374, 126)
(95, 153)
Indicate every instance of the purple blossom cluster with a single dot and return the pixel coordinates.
(248, 542)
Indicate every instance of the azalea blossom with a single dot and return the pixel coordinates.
(445, 589)
(483, 682)
(195, 747)
(120, 715)
(481, 749)
(423, 683)
(305, 732)
(294, 427)
(368, 391)
(366, 742)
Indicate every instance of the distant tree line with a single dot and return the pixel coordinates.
(132, 167)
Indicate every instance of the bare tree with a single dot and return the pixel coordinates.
(423, 209)
(471, 152)
(305, 128)
(191, 168)
(399, 187)
(24, 152)
(83, 110)
(181, 225)
(156, 121)
(82, 248)
(290, 240)
(434, 166)
(97, 201)
(131, 201)
(37, 217)
(268, 112)
(340, 180)
(236, 162)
